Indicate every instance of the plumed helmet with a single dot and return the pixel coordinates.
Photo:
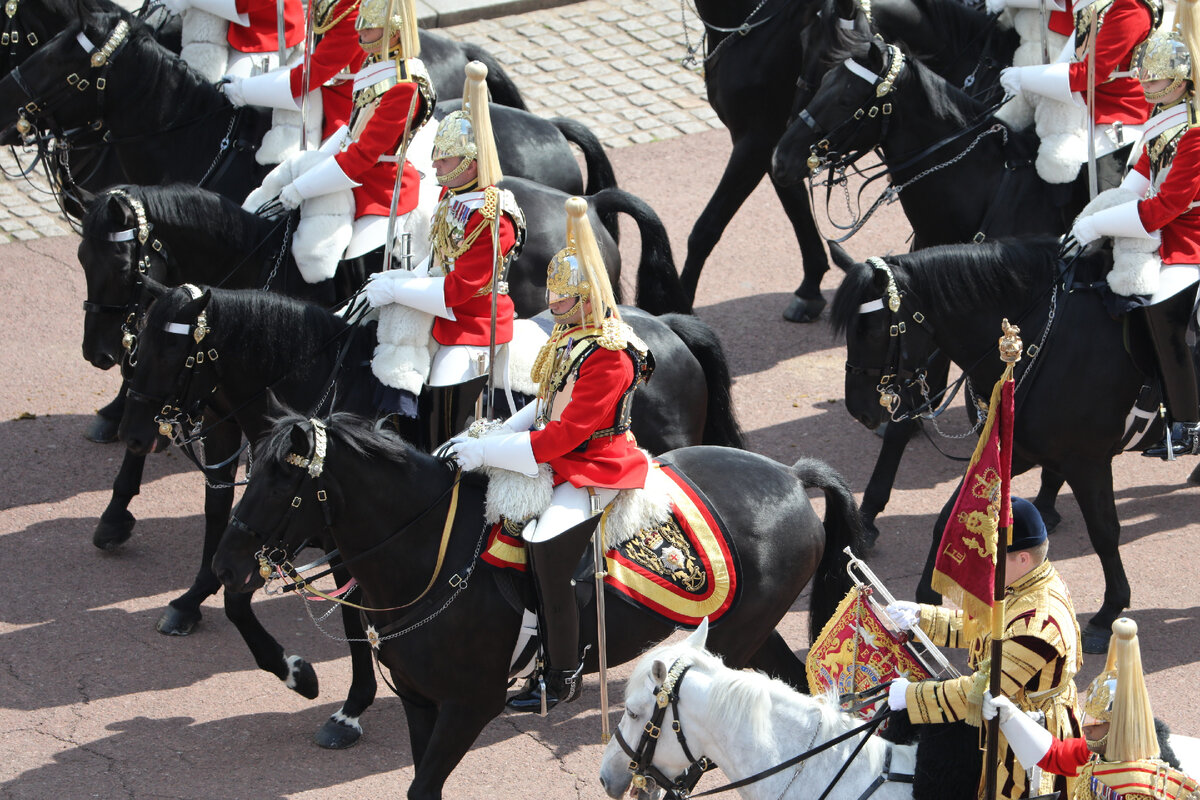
(578, 269)
(1162, 56)
(1131, 734)
(468, 132)
(392, 16)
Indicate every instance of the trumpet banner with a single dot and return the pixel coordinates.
(965, 567)
(856, 652)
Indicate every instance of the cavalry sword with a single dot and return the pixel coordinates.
(401, 157)
(601, 572)
(310, 36)
(279, 31)
(1093, 33)
(490, 401)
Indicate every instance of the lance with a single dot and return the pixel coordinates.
(1093, 33)
(601, 571)
(1045, 15)
(401, 157)
(279, 31)
(496, 259)
(310, 36)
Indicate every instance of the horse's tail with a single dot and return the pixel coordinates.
(600, 173)
(843, 526)
(720, 424)
(658, 288)
(500, 85)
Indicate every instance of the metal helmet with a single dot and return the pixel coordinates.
(1097, 704)
(578, 269)
(392, 16)
(1162, 56)
(467, 133)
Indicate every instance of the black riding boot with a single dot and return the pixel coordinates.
(552, 563)
(1168, 322)
(450, 407)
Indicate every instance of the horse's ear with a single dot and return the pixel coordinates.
(846, 9)
(658, 671)
(841, 259)
(117, 211)
(275, 409)
(699, 637)
(154, 288)
(876, 54)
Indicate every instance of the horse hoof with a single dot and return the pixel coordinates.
(1095, 638)
(174, 622)
(1194, 478)
(1050, 518)
(337, 735)
(302, 678)
(102, 430)
(870, 534)
(804, 309)
(109, 534)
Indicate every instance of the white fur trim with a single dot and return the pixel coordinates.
(319, 241)
(1108, 199)
(1136, 265)
(517, 497)
(1058, 158)
(205, 43)
(636, 509)
(404, 353)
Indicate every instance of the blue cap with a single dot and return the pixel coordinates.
(1028, 529)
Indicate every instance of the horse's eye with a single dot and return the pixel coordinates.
(632, 715)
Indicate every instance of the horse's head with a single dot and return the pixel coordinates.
(637, 753)
(888, 339)
(28, 24)
(824, 29)
(61, 85)
(117, 250)
(175, 363)
(846, 116)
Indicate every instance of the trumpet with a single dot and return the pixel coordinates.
(923, 648)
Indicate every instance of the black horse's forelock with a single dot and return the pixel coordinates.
(205, 215)
(951, 278)
(357, 432)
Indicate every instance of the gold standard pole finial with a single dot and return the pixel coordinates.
(1010, 343)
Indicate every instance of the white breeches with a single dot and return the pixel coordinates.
(457, 363)
(1173, 279)
(569, 506)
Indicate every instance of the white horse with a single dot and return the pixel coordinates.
(747, 723)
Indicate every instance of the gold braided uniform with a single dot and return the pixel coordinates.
(1041, 657)
(1148, 779)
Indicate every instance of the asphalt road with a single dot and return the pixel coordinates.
(95, 703)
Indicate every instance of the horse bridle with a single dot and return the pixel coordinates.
(820, 153)
(645, 774)
(891, 376)
(140, 235)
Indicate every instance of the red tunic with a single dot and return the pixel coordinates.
(612, 462)
(337, 50)
(1065, 756)
(1169, 209)
(262, 34)
(382, 136)
(472, 323)
(1126, 24)
(1062, 22)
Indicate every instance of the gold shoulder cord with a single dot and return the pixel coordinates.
(323, 12)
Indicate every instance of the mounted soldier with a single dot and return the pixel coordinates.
(1097, 78)
(331, 64)
(1119, 755)
(1155, 225)
(462, 283)
(237, 37)
(579, 428)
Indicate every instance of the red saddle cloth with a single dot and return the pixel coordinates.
(682, 570)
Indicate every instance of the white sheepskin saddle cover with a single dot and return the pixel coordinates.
(405, 350)
(1061, 127)
(519, 498)
(205, 43)
(326, 222)
(1136, 263)
(282, 141)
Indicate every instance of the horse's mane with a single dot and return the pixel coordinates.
(951, 278)
(740, 694)
(360, 434)
(155, 63)
(210, 216)
(958, 24)
(287, 333)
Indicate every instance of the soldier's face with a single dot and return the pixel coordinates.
(445, 166)
(567, 309)
(369, 39)
(1156, 91)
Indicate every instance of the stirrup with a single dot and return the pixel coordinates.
(1182, 439)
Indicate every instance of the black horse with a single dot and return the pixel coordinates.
(449, 653)
(258, 346)
(1072, 398)
(960, 176)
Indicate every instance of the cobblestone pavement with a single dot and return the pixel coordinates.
(614, 66)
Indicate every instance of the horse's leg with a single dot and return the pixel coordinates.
(747, 164)
(883, 476)
(182, 613)
(116, 523)
(421, 715)
(807, 302)
(925, 592)
(458, 724)
(776, 658)
(294, 671)
(343, 728)
(103, 428)
(1092, 484)
(1047, 495)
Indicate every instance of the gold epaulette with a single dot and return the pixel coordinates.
(614, 334)
(491, 202)
(323, 19)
